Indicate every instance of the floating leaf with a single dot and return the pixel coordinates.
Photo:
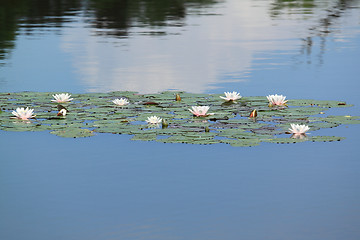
(73, 133)
(230, 123)
(285, 140)
(242, 142)
(144, 137)
(325, 139)
(343, 119)
(319, 103)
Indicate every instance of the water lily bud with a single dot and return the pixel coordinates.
(62, 112)
(253, 114)
(177, 97)
(164, 123)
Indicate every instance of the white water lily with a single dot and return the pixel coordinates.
(231, 96)
(121, 101)
(277, 100)
(153, 120)
(298, 129)
(23, 113)
(200, 111)
(62, 97)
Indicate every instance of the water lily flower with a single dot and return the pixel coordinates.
(153, 120)
(298, 129)
(62, 97)
(23, 113)
(121, 101)
(231, 96)
(200, 111)
(277, 100)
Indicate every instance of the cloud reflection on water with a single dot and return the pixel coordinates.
(195, 47)
(190, 61)
(194, 58)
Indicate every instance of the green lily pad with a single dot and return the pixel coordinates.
(73, 133)
(144, 137)
(343, 119)
(285, 140)
(242, 142)
(325, 139)
(230, 123)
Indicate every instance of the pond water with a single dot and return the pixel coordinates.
(109, 187)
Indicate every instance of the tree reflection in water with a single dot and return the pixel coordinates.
(115, 17)
(334, 10)
(110, 17)
(204, 53)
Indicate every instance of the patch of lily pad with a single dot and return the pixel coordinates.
(93, 113)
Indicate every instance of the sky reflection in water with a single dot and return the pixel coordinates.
(229, 45)
(108, 187)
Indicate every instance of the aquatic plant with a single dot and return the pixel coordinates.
(253, 114)
(277, 100)
(121, 101)
(62, 98)
(91, 113)
(200, 111)
(298, 129)
(23, 113)
(62, 112)
(231, 96)
(154, 120)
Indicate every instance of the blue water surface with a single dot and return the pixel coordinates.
(109, 187)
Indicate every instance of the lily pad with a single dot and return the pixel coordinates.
(343, 119)
(73, 133)
(242, 142)
(230, 123)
